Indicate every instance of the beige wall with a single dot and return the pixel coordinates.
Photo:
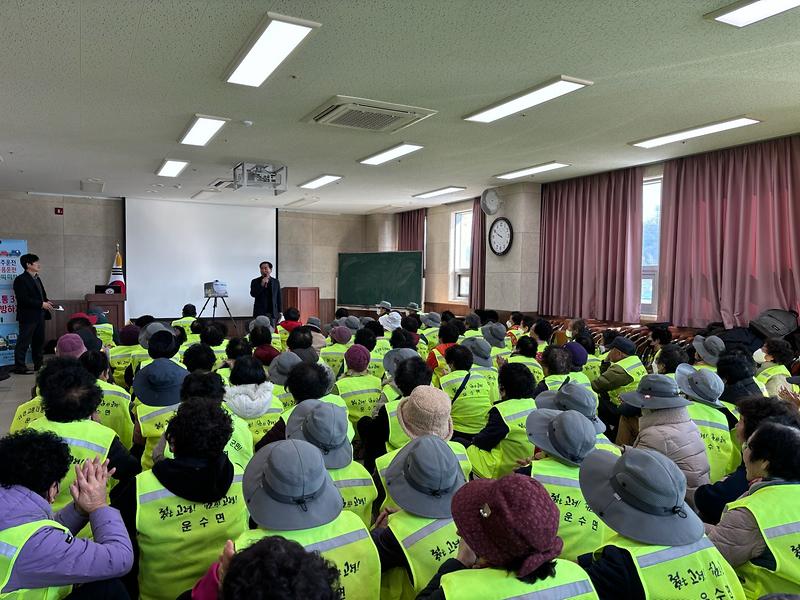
(76, 248)
(437, 266)
(381, 233)
(512, 280)
(309, 244)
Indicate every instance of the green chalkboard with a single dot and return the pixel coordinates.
(366, 278)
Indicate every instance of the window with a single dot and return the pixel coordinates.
(461, 259)
(651, 228)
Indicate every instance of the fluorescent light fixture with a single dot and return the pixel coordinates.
(688, 134)
(302, 203)
(390, 154)
(172, 168)
(202, 129)
(318, 182)
(537, 95)
(747, 12)
(439, 192)
(532, 170)
(273, 40)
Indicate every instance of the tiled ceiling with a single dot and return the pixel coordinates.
(104, 88)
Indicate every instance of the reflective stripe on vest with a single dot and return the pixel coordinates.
(716, 435)
(178, 538)
(105, 331)
(153, 422)
(502, 459)
(569, 582)
(345, 542)
(580, 528)
(532, 364)
(115, 411)
(12, 540)
(491, 374)
(671, 571)
(397, 437)
(426, 544)
(633, 367)
(471, 409)
(357, 489)
(774, 507)
(361, 393)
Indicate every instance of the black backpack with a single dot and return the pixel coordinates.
(775, 322)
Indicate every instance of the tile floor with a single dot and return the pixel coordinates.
(13, 392)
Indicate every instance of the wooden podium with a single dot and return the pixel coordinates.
(113, 303)
(304, 299)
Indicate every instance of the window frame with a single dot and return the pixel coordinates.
(458, 275)
(650, 272)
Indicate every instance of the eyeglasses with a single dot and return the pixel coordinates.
(745, 446)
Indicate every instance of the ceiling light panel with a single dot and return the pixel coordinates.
(702, 130)
(202, 129)
(550, 166)
(544, 92)
(747, 12)
(274, 39)
(439, 192)
(390, 154)
(172, 168)
(318, 182)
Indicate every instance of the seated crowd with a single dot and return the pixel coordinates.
(408, 456)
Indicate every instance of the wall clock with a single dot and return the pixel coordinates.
(501, 234)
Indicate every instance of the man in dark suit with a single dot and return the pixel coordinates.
(267, 293)
(33, 308)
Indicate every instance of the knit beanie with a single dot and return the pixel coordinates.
(341, 334)
(70, 345)
(578, 353)
(426, 411)
(129, 335)
(357, 358)
(472, 321)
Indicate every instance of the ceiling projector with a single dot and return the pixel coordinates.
(269, 176)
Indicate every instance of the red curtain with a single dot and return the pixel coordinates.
(591, 246)
(730, 222)
(477, 279)
(411, 230)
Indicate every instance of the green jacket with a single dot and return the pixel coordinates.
(613, 377)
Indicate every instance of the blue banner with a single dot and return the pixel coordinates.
(10, 251)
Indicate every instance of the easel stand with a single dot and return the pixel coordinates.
(214, 311)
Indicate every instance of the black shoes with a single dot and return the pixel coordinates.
(22, 371)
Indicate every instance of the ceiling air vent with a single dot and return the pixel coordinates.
(222, 184)
(368, 115)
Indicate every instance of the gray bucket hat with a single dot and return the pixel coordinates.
(413, 306)
(286, 487)
(159, 383)
(472, 321)
(384, 304)
(424, 476)
(481, 350)
(566, 435)
(146, 333)
(314, 324)
(702, 385)
(431, 319)
(365, 320)
(281, 365)
(495, 334)
(572, 396)
(656, 392)
(260, 321)
(709, 348)
(395, 356)
(352, 323)
(640, 495)
(324, 425)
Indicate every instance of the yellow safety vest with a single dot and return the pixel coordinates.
(497, 353)
(283, 395)
(382, 463)
(345, 542)
(491, 374)
(603, 443)
(581, 530)
(184, 323)
(333, 356)
(119, 357)
(515, 335)
(375, 367)
(774, 507)
(532, 364)
(592, 367)
(695, 570)
(357, 489)
(471, 409)
(570, 582)
(105, 331)
(260, 425)
(426, 544)
(502, 459)
(764, 376)
(633, 367)
(153, 423)
(432, 333)
(441, 368)
(333, 399)
(469, 333)
(361, 393)
(225, 374)
(713, 426)
(577, 377)
(397, 437)
(382, 346)
(26, 414)
(86, 439)
(179, 538)
(12, 540)
(115, 411)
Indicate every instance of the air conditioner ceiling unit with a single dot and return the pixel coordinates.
(368, 115)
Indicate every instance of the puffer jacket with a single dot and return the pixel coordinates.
(671, 432)
(249, 401)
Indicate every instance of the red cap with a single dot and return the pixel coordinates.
(82, 315)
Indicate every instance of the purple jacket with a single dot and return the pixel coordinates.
(52, 558)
